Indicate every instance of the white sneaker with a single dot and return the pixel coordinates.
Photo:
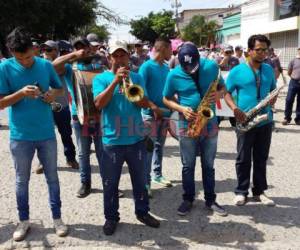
(60, 228)
(240, 200)
(264, 199)
(21, 230)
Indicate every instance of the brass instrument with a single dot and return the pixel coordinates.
(55, 106)
(133, 92)
(253, 116)
(204, 112)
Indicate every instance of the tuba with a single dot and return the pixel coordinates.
(133, 92)
(204, 112)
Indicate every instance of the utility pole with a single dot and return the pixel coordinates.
(176, 4)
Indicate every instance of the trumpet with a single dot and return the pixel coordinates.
(133, 92)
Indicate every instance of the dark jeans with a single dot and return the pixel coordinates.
(294, 89)
(111, 164)
(63, 122)
(253, 143)
(189, 148)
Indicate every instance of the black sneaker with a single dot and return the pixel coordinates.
(148, 220)
(184, 208)
(110, 227)
(84, 190)
(217, 209)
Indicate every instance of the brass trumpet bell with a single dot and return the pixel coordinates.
(133, 92)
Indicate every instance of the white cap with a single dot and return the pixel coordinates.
(94, 43)
(114, 46)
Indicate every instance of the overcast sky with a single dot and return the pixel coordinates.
(133, 9)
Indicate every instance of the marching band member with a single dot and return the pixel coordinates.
(154, 73)
(62, 119)
(252, 82)
(84, 136)
(24, 87)
(190, 81)
(122, 139)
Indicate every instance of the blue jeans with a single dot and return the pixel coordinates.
(158, 133)
(84, 142)
(22, 153)
(294, 89)
(112, 161)
(188, 150)
(63, 122)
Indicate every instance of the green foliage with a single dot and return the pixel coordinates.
(100, 30)
(52, 19)
(199, 31)
(155, 25)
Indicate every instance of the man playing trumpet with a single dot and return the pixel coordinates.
(122, 137)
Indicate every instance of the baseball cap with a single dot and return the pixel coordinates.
(95, 43)
(92, 37)
(228, 48)
(82, 41)
(114, 46)
(65, 46)
(188, 57)
(138, 42)
(238, 47)
(51, 44)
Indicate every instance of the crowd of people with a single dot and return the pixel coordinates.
(132, 126)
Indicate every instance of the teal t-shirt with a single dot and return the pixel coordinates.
(182, 84)
(121, 120)
(29, 119)
(242, 80)
(68, 76)
(154, 75)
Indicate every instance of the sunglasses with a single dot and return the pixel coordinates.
(48, 50)
(261, 50)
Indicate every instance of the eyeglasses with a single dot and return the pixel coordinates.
(261, 50)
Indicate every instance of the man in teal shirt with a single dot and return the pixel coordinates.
(190, 81)
(252, 83)
(25, 83)
(122, 137)
(154, 73)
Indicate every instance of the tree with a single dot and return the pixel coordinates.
(155, 25)
(199, 31)
(100, 30)
(53, 19)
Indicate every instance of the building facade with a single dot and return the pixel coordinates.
(230, 33)
(279, 20)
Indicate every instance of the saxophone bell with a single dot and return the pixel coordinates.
(208, 113)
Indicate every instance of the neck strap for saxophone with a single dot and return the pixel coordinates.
(257, 79)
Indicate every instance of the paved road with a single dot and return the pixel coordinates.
(251, 227)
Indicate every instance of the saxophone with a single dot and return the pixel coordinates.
(253, 116)
(204, 112)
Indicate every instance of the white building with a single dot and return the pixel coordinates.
(277, 20)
